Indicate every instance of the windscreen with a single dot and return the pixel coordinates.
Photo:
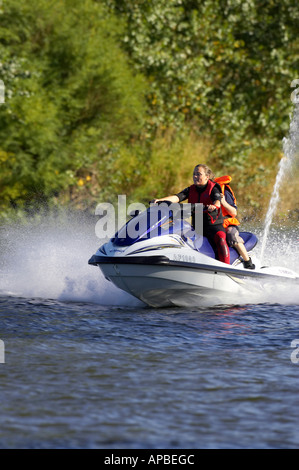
(157, 220)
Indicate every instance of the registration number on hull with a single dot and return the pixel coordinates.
(184, 258)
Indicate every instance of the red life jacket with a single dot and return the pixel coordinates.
(204, 198)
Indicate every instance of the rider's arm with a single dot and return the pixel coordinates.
(173, 198)
(179, 197)
(216, 198)
(230, 209)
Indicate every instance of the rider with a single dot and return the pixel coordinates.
(206, 191)
(229, 211)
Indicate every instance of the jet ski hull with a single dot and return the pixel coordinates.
(161, 282)
(165, 263)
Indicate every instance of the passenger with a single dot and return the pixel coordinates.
(206, 191)
(229, 211)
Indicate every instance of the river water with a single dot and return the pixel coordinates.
(87, 366)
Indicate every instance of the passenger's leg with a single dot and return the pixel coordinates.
(234, 240)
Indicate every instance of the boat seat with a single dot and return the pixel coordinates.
(203, 245)
(250, 241)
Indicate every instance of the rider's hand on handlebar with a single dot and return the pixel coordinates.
(211, 207)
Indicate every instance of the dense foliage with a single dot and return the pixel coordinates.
(69, 93)
(107, 97)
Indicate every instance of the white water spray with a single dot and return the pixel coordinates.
(49, 260)
(290, 151)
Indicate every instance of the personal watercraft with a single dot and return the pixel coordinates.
(159, 258)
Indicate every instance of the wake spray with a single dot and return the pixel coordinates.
(290, 146)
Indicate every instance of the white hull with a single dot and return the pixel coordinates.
(168, 286)
(174, 283)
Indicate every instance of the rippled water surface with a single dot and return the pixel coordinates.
(88, 367)
(82, 375)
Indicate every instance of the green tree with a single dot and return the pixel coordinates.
(105, 97)
(70, 92)
(224, 67)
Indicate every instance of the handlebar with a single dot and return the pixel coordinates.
(179, 204)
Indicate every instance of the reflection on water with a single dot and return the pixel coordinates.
(84, 375)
